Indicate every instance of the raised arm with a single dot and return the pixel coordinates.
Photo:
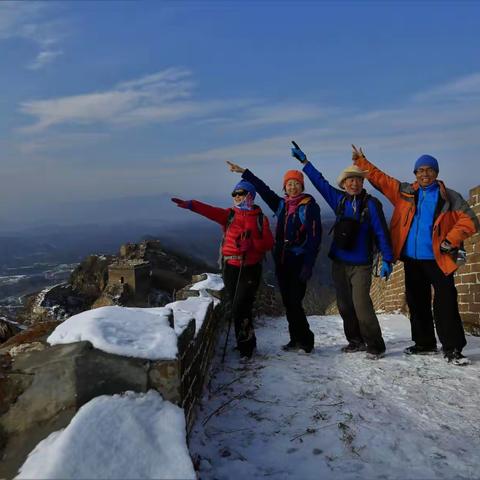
(219, 215)
(268, 195)
(389, 186)
(331, 195)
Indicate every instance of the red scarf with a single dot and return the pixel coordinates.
(291, 203)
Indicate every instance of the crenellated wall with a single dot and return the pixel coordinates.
(390, 296)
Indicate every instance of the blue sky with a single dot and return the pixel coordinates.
(111, 99)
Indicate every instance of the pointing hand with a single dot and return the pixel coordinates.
(235, 168)
(356, 153)
(182, 203)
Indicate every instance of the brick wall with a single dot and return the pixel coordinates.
(181, 380)
(390, 296)
(467, 277)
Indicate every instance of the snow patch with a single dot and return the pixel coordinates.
(128, 436)
(191, 307)
(131, 332)
(213, 281)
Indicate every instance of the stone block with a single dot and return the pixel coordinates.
(186, 337)
(164, 376)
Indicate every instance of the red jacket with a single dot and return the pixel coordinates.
(243, 221)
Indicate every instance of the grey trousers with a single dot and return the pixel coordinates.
(360, 323)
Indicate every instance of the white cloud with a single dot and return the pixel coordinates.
(43, 58)
(27, 20)
(154, 97)
(458, 89)
(159, 97)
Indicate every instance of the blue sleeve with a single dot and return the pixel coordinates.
(380, 229)
(313, 225)
(331, 195)
(268, 195)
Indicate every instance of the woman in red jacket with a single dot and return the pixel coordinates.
(247, 237)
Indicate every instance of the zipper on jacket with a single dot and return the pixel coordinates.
(419, 211)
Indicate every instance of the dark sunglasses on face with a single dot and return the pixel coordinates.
(241, 193)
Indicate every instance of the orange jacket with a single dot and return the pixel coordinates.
(455, 222)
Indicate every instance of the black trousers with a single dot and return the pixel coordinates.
(360, 323)
(420, 276)
(241, 285)
(293, 290)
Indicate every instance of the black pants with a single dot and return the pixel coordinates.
(360, 323)
(293, 290)
(241, 285)
(420, 276)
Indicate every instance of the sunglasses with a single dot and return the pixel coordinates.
(241, 193)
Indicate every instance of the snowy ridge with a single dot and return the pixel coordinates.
(331, 415)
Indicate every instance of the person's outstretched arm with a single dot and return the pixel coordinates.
(219, 215)
(389, 186)
(331, 194)
(268, 195)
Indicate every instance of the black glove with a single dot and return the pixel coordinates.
(446, 246)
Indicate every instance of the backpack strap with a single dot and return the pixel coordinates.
(221, 258)
(281, 206)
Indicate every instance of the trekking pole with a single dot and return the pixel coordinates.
(233, 304)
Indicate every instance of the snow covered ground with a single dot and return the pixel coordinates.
(332, 415)
(121, 436)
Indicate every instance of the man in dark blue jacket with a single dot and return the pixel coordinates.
(297, 242)
(359, 229)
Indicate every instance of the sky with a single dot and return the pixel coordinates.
(129, 99)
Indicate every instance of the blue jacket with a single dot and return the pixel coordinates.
(373, 229)
(419, 243)
(298, 234)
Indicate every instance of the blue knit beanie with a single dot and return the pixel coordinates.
(244, 185)
(426, 161)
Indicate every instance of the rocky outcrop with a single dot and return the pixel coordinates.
(90, 278)
(53, 303)
(7, 330)
(90, 286)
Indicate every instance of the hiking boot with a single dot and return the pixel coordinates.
(305, 349)
(419, 350)
(354, 347)
(455, 357)
(374, 355)
(291, 346)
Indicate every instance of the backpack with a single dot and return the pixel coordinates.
(345, 230)
(296, 249)
(231, 215)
